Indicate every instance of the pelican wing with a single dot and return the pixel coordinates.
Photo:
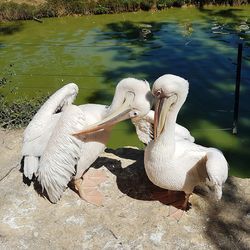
(42, 119)
(35, 140)
(183, 133)
(39, 130)
(59, 160)
(217, 170)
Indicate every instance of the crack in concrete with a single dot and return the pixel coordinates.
(9, 172)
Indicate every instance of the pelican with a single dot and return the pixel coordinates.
(56, 157)
(175, 163)
(144, 128)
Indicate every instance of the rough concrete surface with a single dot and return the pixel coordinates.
(129, 219)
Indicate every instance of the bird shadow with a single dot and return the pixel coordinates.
(132, 180)
(227, 223)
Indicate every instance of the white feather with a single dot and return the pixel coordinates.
(217, 170)
(39, 130)
(31, 164)
(59, 160)
(145, 129)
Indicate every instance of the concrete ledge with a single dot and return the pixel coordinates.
(129, 219)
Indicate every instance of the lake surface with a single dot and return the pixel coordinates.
(97, 51)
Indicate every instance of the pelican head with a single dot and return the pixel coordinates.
(132, 99)
(170, 92)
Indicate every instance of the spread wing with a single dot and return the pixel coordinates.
(44, 116)
(66, 155)
(59, 160)
(39, 130)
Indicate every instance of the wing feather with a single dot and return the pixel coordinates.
(57, 164)
(60, 99)
(217, 170)
(145, 129)
(39, 130)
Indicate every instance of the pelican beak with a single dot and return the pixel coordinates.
(162, 107)
(121, 114)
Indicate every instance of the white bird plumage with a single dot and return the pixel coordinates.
(145, 126)
(37, 133)
(175, 163)
(60, 156)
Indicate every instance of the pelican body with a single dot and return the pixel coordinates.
(175, 163)
(54, 151)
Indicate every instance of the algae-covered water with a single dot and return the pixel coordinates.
(97, 51)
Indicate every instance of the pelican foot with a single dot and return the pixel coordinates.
(168, 197)
(87, 186)
(94, 177)
(175, 213)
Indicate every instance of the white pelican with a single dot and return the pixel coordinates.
(174, 163)
(55, 156)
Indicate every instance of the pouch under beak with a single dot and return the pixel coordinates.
(162, 108)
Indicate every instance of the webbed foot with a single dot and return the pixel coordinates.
(87, 186)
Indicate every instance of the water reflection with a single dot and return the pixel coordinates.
(10, 28)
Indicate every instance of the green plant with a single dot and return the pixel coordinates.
(162, 4)
(13, 11)
(52, 8)
(18, 113)
(146, 5)
(130, 5)
(66, 7)
(3, 81)
(100, 9)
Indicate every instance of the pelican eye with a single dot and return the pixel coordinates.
(158, 93)
(134, 113)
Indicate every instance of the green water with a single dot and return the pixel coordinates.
(97, 51)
